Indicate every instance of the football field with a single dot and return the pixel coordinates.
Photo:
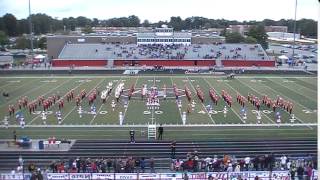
(204, 119)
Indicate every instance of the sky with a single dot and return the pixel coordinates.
(155, 10)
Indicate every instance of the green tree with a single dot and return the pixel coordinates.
(176, 23)
(3, 38)
(42, 43)
(95, 22)
(22, 43)
(10, 23)
(234, 37)
(23, 27)
(146, 23)
(258, 32)
(133, 21)
(87, 30)
(2, 25)
(250, 40)
(307, 27)
(83, 21)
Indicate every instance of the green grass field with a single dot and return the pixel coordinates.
(200, 124)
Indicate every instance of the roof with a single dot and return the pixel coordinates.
(175, 35)
(6, 60)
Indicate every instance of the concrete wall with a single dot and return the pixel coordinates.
(161, 62)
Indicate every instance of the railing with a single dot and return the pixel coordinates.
(249, 175)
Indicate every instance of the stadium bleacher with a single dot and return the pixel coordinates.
(161, 151)
(132, 51)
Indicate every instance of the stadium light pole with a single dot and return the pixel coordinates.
(30, 29)
(294, 30)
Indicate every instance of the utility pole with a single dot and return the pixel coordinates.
(294, 31)
(30, 29)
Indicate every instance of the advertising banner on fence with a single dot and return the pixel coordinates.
(149, 176)
(9, 176)
(315, 174)
(239, 175)
(57, 176)
(124, 176)
(197, 176)
(103, 176)
(170, 176)
(218, 175)
(80, 176)
(280, 175)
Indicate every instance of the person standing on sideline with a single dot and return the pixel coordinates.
(132, 136)
(14, 136)
(160, 132)
(173, 149)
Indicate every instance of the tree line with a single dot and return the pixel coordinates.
(43, 23)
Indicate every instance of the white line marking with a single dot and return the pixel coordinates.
(178, 125)
(176, 101)
(81, 101)
(294, 91)
(125, 111)
(248, 102)
(56, 101)
(17, 97)
(94, 117)
(201, 102)
(275, 92)
(222, 98)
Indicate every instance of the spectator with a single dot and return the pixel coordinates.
(283, 162)
(109, 165)
(160, 132)
(247, 162)
(300, 172)
(142, 164)
(309, 172)
(152, 170)
(173, 149)
(132, 136)
(14, 136)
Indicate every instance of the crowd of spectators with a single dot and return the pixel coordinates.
(297, 167)
(102, 165)
(162, 51)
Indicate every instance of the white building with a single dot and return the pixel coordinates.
(282, 36)
(164, 35)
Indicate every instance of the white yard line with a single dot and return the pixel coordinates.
(195, 91)
(286, 97)
(27, 92)
(56, 101)
(125, 111)
(81, 101)
(224, 101)
(276, 92)
(94, 117)
(180, 125)
(152, 110)
(176, 102)
(248, 102)
(294, 91)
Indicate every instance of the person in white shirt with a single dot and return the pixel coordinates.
(283, 162)
(247, 163)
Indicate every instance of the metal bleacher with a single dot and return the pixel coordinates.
(131, 51)
(160, 150)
